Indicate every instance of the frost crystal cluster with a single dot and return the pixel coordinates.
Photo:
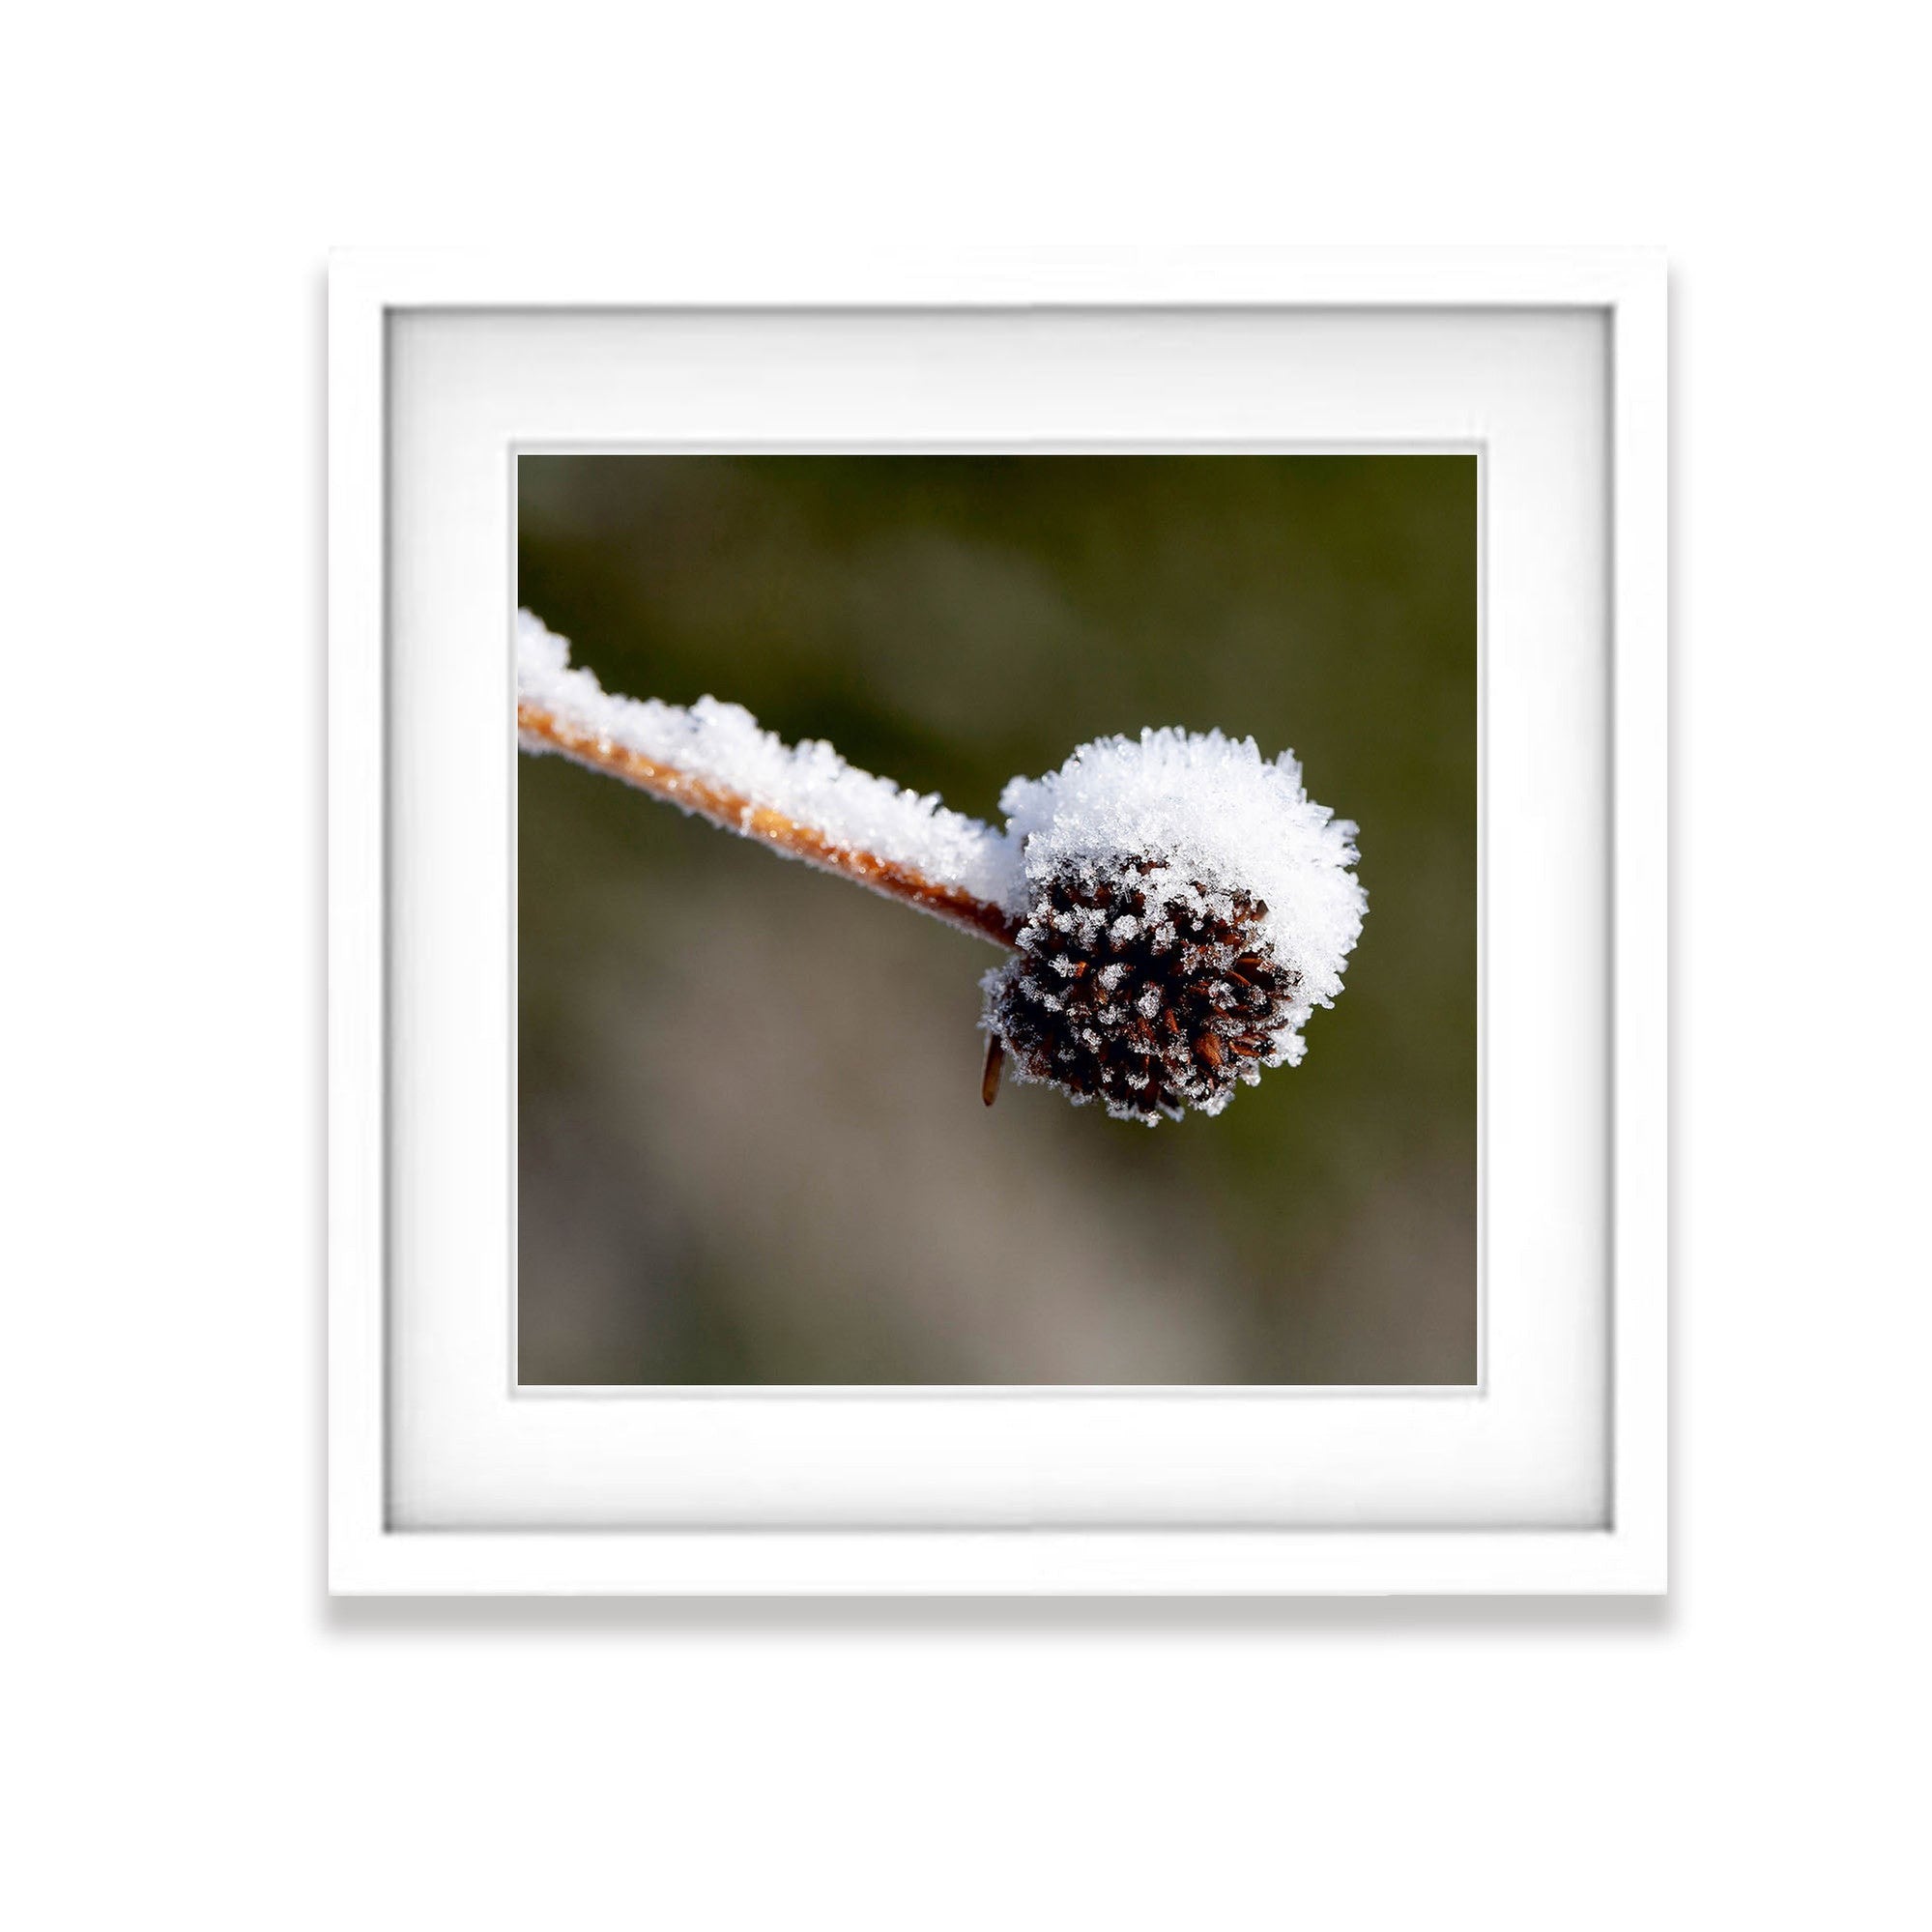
(1187, 906)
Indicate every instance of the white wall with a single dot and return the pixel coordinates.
(199, 1738)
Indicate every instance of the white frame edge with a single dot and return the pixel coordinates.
(1631, 1557)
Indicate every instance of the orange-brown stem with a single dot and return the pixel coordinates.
(737, 813)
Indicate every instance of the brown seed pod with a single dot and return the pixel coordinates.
(1152, 1007)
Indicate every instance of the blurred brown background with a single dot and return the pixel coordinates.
(751, 1144)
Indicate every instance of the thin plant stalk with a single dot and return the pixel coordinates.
(736, 813)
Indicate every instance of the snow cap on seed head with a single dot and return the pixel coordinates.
(1212, 813)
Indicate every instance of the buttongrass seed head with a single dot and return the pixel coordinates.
(1183, 908)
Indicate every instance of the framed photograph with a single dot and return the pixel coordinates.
(999, 927)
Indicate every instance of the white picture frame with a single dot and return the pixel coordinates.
(945, 1543)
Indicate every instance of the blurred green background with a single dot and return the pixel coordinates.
(751, 1143)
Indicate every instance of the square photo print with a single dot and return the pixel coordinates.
(998, 921)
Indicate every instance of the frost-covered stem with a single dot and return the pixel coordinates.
(692, 791)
